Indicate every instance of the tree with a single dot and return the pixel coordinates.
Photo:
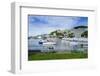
(70, 34)
(84, 34)
(80, 27)
(57, 33)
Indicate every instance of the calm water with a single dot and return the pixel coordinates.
(61, 45)
(33, 44)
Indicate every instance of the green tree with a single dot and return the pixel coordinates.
(84, 34)
(70, 34)
(57, 33)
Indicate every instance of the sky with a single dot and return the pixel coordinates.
(44, 24)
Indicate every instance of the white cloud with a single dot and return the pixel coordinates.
(53, 23)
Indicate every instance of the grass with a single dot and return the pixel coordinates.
(56, 55)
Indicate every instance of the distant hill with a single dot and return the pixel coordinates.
(78, 31)
(80, 27)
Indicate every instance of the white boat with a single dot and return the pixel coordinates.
(49, 43)
(46, 42)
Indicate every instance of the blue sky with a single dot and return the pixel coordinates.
(41, 24)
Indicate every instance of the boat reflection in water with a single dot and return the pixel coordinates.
(58, 45)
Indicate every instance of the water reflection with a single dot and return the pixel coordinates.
(56, 45)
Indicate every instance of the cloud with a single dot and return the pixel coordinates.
(37, 20)
(44, 24)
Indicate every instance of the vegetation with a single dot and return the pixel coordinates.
(57, 33)
(71, 35)
(59, 55)
(80, 27)
(56, 55)
(84, 34)
(61, 34)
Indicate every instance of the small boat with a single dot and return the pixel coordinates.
(49, 43)
(40, 42)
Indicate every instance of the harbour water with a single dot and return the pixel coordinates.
(60, 45)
